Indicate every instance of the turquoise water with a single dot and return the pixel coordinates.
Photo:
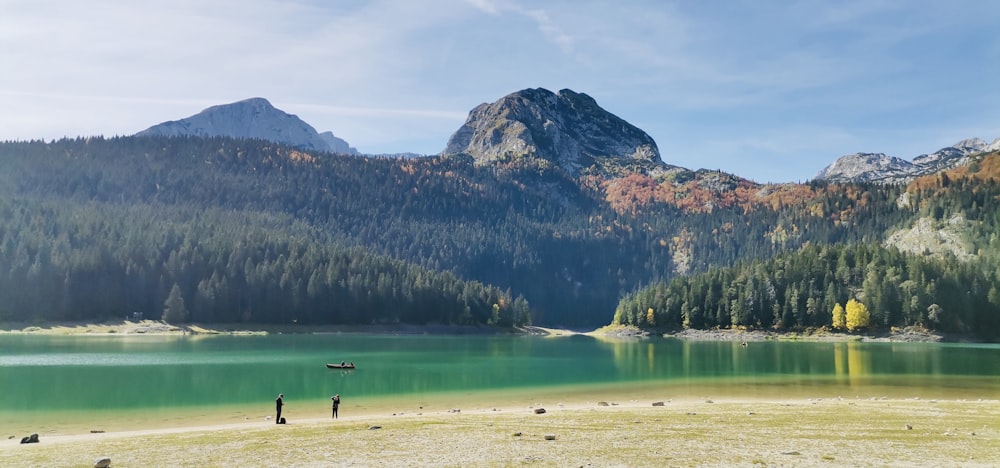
(46, 376)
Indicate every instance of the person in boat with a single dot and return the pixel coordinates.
(336, 404)
(343, 364)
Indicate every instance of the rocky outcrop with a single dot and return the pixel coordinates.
(337, 145)
(933, 238)
(877, 167)
(867, 167)
(252, 118)
(567, 128)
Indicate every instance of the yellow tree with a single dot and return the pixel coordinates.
(650, 317)
(857, 315)
(839, 317)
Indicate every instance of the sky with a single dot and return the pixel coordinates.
(772, 90)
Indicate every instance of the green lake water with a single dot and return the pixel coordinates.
(50, 381)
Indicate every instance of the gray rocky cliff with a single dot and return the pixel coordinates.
(252, 118)
(877, 167)
(565, 128)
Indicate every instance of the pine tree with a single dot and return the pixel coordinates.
(173, 308)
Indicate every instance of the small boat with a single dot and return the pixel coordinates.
(340, 366)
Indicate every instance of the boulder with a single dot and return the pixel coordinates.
(103, 462)
(32, 439)
(539, 410)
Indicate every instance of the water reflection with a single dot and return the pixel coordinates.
(852, 363)
(66, 373)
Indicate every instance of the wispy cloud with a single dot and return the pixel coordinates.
(539, 16)
(710, 81)
(378, 112)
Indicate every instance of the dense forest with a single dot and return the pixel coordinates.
(247, 230)
(806, 288)
(803, 289)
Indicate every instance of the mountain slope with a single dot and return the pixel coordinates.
(252, 118)
(878, 167)
(567, 129)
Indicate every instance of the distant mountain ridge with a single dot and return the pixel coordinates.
(878, 167)
(566, 128)
(252, 118)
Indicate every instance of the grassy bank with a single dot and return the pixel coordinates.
(829, 432)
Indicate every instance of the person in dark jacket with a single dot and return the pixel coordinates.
(278, 403)
(336, 404)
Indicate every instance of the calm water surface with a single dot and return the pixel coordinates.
(46, 377)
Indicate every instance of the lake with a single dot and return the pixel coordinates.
(69, 383)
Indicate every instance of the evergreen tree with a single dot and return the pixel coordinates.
(173, 308)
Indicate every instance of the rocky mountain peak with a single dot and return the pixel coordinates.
(877, 167)
(567, 128)
(252, 118)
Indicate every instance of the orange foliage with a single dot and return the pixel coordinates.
(986, 168)
(300, 157)
(706, 191)
(631, 193)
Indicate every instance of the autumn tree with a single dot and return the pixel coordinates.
(857, 315)
(839, 317)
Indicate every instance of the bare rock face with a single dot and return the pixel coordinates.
(877, 167)
(252, 118)
(568, 129)
(867, 167)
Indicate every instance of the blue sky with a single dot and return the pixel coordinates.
(766, 89)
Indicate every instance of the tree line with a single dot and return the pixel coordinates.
(806, 289)
(87, 261)
(563, 245)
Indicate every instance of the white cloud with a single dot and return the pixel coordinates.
(389, 73)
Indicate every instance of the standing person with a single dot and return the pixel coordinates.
(336, 404)
(278, 403)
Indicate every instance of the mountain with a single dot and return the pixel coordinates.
(251, 231)
(878, 167)
(337, 145)
(252, 118)
(254, 232)
(566, 128)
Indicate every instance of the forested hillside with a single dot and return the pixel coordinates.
(252, 231)
(805, 288)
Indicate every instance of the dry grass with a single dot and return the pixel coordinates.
(687, 433)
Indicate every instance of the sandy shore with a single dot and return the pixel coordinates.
(689, 432)
(154, 327)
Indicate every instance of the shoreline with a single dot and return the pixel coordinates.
(685, 424)
(154, 327)
(895, 335)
